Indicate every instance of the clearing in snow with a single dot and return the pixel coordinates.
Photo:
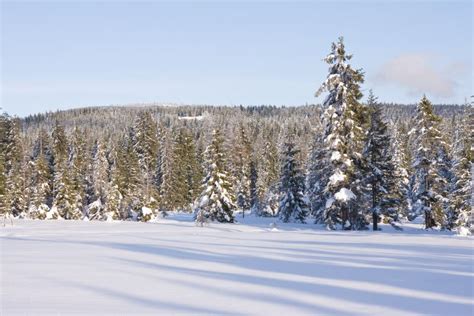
(252, 267)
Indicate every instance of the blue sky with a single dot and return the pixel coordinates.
(58, 55)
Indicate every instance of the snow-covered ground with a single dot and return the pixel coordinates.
(173, 267)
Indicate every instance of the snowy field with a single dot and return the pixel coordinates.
(173, 267)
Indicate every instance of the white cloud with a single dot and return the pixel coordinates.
(416, 74)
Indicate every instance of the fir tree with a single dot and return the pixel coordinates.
(380, 174)
(461, 197)
(42, 178)
(343, 138)
(64, 199)
(317, 178)
(99, 181)
(78, 170)
(428, 142)
(293, 203)
(216, 201)
(16, 197)
(242, 154)
(145, 143)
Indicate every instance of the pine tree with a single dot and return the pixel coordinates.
(42, 178)
(254, 201)
(3, 149)
(380, 174)
(16, 198)
(343, 139)
(242, 154)
(269, 176)
(428, 180)
(461, 197)
(185, 173)
(317, 178)
(293, 203)
(64, 199)
(99, 181)
(402, 164)
(78, 170)
(146, 145)
(217, 201)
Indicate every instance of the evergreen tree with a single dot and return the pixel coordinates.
(380, 174)
(145, 143)
(64, 199)
(242, 154)
(216, 201)
(16, 200)
(269, 176)
(42, 178)
(402, 164)
(317, 178)
(461, 197)
(185, 173)
(342, 139)
(99, 181)
(254, 201)
(78, 170)
(293, 203)
(428, 180)
(3, 149)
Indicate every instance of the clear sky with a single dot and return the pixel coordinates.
(58, 55)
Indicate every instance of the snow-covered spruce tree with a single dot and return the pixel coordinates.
(343, 139)
(99, 181)
(16, 195)
(3, 149)
(41, 179)
(254, 201)
(402, 163)
(146, 145)
(317, 177)
(185, 172)
(131, 178)
(428, 142)
(293, 202)
(461, 196)
(217, 201)
(269, 175)
(78, 170)
(242, 160)
(380, 175)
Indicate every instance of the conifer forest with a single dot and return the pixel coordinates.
(236, 158)
(349, 163)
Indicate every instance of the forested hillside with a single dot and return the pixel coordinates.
(348, 163)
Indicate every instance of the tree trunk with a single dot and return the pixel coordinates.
(375, 220)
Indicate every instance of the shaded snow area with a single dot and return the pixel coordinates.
(255, 267)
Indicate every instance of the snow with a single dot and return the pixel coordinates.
(344, 195)
(187, 118)
(336, 155)
(337, 177)
(252, 267)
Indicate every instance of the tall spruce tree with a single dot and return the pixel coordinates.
(217, 201)
(380, 175)
(428, 180)
(146, 145)
(42, 178)
(342, 139)
(64, 198)
(186, 175)
(317, 178)
(16, 197)
(242, 155)
(460, 217)
(293, 202)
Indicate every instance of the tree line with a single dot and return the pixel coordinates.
(346, 163)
